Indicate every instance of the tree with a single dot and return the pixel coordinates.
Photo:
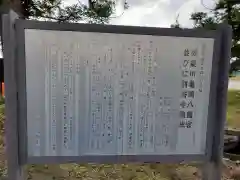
(224, 11)
(97, 11)
(176, 24)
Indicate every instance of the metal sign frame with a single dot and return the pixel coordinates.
(15, 82)
(21, 25)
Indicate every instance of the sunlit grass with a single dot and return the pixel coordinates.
(233, 111)
(235, 78)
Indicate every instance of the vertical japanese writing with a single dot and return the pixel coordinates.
(135, 55)
(123, 106)
(53, 98)
(166, 115)
(146, 101)
(47, 101)
(189, 68)
(96, 104)
(67, 110)
(201, 77)
(108, 100)
(78, 101)
(71, 107)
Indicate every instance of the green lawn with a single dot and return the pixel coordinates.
(235, 78)
(120, 171)
(233, 114)
(1, 100)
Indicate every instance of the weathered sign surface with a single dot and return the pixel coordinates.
(91, 93)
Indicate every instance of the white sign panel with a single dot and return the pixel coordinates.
(116, 94)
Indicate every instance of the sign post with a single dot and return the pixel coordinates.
(117, 94)
(15, 171)
(214, 167)
(1, 75)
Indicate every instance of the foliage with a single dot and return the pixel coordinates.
(97, 11)
(176, 24)
(224, 11)
(235, 65)
(2, 100)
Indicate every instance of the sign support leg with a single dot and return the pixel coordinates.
(212, 170)
(15, 170)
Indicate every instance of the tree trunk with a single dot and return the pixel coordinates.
(15, 5)
(90, 4)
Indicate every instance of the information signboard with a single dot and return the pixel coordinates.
(96, 93)
(101, 94)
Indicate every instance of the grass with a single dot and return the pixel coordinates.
(2, 100)
(154, 171)
(233, 111)
(112, 172)
(235, 78)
